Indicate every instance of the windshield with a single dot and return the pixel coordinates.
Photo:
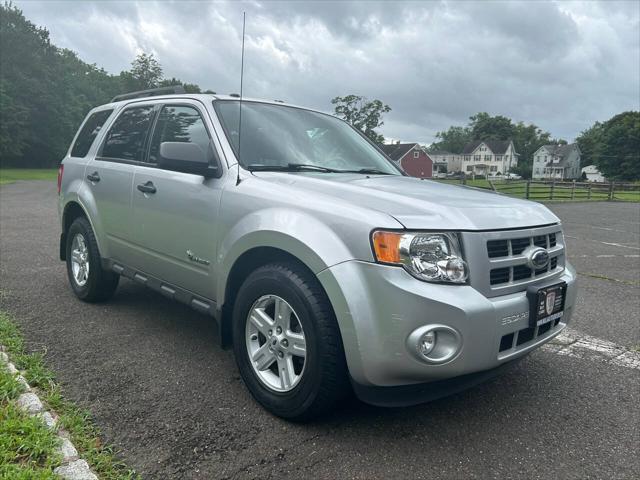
(279, 137)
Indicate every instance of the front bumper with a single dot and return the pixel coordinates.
(378, 306)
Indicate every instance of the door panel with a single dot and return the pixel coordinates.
(110, 177)
(174, 213)
(112, 196)
(174, 228)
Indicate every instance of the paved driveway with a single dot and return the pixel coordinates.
(172, 401)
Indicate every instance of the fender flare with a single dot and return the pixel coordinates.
(296, 233)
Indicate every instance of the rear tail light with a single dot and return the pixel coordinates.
(60, 172)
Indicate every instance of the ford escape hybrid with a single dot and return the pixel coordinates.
(328, 270)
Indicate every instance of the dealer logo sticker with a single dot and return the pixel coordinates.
(550, 302)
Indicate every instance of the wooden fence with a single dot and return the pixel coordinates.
(563, 191)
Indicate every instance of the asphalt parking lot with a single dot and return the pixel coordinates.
(173, 403)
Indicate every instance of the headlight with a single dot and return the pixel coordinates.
(433, 257)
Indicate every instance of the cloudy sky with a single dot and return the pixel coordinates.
(561, 65)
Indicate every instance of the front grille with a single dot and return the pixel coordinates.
(540, 241)
(518, 245)
(520, 272)
(508, 260)
(500, 275)
(498, 248)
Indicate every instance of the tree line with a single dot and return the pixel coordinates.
(46, 91)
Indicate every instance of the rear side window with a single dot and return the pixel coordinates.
(179, 123)
(126, 138)
(88, 133)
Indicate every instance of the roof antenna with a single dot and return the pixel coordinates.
(244, 17)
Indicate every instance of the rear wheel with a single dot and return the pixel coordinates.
(89, 281)
(287, 343)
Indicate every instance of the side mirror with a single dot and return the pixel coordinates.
(186, 158)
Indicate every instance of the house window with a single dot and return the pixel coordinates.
(476, 158)
(498, 158)
(506, 157)
(487, 158)
(545, 158)
(537, 171)
(416, 154)
(494, 168)
(467, 158)
(469, 168)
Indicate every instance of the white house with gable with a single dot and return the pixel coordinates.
(557, 162)
(489, 157)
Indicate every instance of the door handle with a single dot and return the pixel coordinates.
(94, 177)
(148, 187)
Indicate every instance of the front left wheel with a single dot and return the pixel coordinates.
(89, 281)
(287, 343)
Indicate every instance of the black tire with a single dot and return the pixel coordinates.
(100, 284)
(324, 381)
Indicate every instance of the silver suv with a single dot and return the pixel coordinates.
(328, 270)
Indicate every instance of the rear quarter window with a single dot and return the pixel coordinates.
(89, 132)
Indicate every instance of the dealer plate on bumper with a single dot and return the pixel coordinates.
(546, 304)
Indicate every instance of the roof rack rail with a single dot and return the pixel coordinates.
(152, 92)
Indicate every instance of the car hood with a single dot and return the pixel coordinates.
(419, 204)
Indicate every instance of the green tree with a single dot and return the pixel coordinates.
(485, 127)
(145, 73)
(188, 87)
(613, 146)
(363, 114)
(452, 140)
(590, 141)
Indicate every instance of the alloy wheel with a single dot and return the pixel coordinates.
(79, 260)
(275, 343)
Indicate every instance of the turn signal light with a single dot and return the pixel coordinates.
(386, 246)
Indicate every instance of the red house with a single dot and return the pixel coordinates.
(411, 158)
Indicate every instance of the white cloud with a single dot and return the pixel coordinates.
(560, 65)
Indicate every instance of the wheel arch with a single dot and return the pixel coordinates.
(72, 211)
(246, 263)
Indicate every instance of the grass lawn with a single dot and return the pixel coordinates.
(10, 175)
(27, 447)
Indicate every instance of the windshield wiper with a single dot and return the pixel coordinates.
(310, 166)
(367, 170)
(299, 167)
(291, 167)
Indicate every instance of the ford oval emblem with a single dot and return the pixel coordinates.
(538, 258)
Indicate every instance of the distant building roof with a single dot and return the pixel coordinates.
(498, 147)
(561, 151)
(395, 151)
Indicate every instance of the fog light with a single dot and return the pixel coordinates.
(435, 343)
(427, 342)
